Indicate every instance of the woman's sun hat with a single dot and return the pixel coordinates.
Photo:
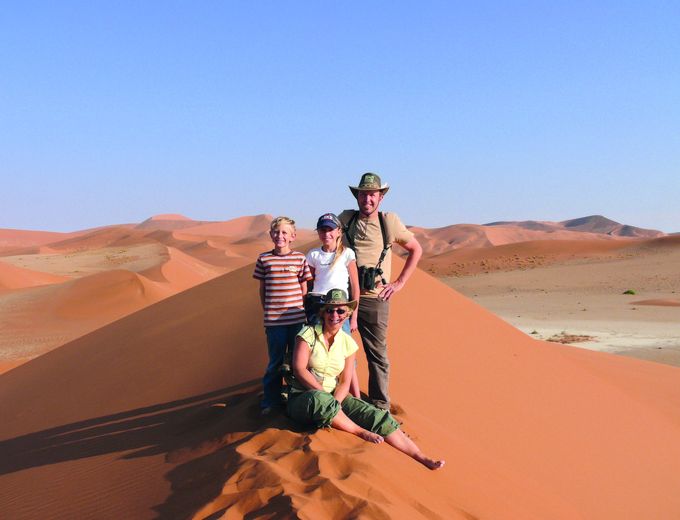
(337, 298)
(369, 182)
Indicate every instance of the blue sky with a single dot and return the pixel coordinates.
(111, 112)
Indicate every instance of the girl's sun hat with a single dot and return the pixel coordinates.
(328, 220)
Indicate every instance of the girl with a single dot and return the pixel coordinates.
(333, 265)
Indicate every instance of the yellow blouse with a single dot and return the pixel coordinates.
(327, 364)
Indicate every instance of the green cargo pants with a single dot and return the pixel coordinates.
(319, 408)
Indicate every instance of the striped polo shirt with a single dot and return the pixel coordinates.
(282, 275)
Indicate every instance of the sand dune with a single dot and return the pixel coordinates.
(123, 234)
(238, 227)
(436, 241)
(182, 271)
(170, 216)
(39, 319)
(472, 236)
(521, 255)
(15, 238)
(122, 270)
(154, 415)
(590, 224)
(67, 310)
(85, 261)
(167, 222)
(13, 277)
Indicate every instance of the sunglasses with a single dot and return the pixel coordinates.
(331, 310)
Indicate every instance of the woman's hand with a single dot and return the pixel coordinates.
(342, 390)
(354, 322)
(300, 362)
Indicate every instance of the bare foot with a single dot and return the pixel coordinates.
(428, 462)
(370, 437)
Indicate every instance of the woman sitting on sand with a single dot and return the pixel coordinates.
(323, 363)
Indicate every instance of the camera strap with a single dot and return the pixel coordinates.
(351, 229)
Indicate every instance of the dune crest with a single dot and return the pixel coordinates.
(170, 216)
(238, 227)
(13, 277)
(16, 238)
(182, 271)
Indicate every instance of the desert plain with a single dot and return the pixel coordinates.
(131, 356)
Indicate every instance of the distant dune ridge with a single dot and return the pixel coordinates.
(156, 415)
(436, 241)
(169, 253)
(590, 224)
(110, 271)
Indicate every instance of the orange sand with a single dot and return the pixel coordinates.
(15, 238)
(155, 415)
(661, 303)
(121, 268)
(12, 277)
(520, 255)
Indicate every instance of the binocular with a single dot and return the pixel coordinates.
(367, 276)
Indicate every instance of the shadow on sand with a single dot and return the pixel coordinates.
(197, 436)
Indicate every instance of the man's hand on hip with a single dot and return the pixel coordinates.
(390, 289)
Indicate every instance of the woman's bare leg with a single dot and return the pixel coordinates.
(344, 423)
(354, 385)
(400, 441)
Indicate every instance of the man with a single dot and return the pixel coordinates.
(371, 234)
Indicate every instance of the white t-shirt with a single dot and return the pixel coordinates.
(326, 278)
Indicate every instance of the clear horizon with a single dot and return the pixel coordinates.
(472, 113)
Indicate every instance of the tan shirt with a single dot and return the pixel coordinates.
(368, 242)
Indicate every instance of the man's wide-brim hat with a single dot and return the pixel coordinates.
(336, 298)
(369, 182)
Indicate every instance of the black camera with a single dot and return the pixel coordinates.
(367, 276)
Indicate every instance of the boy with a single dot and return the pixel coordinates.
(283, 275)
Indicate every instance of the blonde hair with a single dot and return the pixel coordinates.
(279, 221)
(339, 248)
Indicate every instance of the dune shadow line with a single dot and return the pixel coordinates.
(151, 430)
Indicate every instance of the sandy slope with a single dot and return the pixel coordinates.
(15, 238)
(438, 241)
(119, 423)
(123, 268)
(585, 297)
(13, 277)
(39, 319)
(238, 227)
(521, 255)
(89, 260)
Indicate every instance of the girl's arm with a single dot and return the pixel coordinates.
(342, 389)
(356, 293)
(300, 370)
(310, 283)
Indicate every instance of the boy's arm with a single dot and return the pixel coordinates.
(263, 292)
(304, 277)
